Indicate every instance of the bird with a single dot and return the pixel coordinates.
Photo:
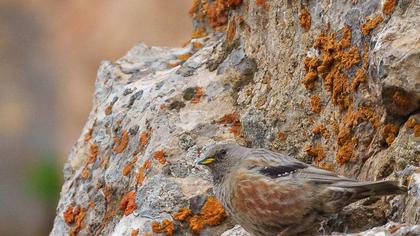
(271, 194)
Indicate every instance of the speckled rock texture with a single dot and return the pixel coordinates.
(332, 83)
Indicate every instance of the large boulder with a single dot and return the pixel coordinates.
(332, 83)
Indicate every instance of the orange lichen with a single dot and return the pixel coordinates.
(230, 34)
(121, 144)
(262, 3)
(321, 129)
(341, 92)
(327, 44)
(233, 3)
(198, 93)
(317, 152)
(389, 133)
(332, 65)
(197, 45)
(345, 41)
(79, 216)
(370, 115)
(217, 14)
(92, 158)
(199, 33)
(346, 143)
(316, 104)
(144, 140)
(194, 8)
(305, 19)
(400, 99)
(239, 20)
(166, 227)
(417, 130)
(233, 120)
(134, 232)
(335, 127)
(366, 56)
(108, 110)
(370, 25)
(175, 64)
(388, 7)
(411, 123)
(127, 169)
(218, 11)
(212, 213)
(345, 152)
(93, 153)
(281, 136)
(160, 156)
(344, 135)
(68, 214)
(128, 203)
(182, 214)
(311, 64)
(85, 172)
(350, 57)
(88, 135)
(184, 57)
(309, 80)
(359, 78)
(142, 172)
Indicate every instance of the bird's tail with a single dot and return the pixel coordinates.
(344, 192)
(379, 188)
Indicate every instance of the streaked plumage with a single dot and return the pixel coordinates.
(272, 194)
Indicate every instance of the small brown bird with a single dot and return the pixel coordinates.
(271, 194)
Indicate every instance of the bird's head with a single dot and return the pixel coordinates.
(220, 158)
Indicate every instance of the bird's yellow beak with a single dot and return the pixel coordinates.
(207, 161)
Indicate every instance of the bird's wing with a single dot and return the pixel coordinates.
(262, 200)
(277, 166)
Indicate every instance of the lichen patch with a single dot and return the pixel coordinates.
(316, 104)
(371, 25)
(388, 7)
(160, 156)
(121, 143)
(128, 203)
(231, 119)
(305, 19)
(212, 213)
(317, 152)
(389, 133)
(141, 174)
(166, 227)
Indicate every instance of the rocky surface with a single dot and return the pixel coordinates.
(331, 83)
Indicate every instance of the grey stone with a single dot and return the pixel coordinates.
(258, 77)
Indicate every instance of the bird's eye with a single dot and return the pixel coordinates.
(221, 153)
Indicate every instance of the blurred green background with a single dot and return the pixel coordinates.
(49, 54)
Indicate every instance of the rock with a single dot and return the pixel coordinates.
(391, 228)
(397, 55)
(155, 109)
(236, 231)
